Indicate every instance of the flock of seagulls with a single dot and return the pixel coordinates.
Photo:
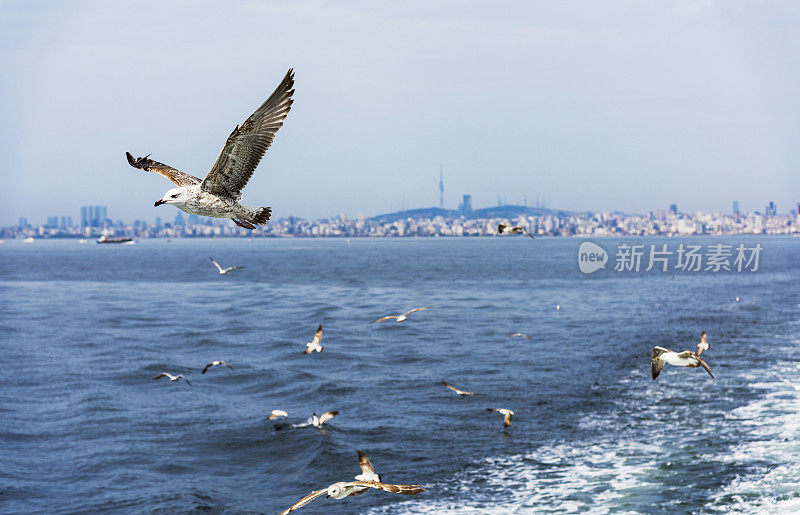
(219, 194)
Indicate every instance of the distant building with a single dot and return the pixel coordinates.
(797, 209)
(23, 222)
(159, 225)
(465, 208)
(673, 208)
(772, 209)
(93, 216)
(52, 221)
(179, 218)
(441, 186)
(735, 207)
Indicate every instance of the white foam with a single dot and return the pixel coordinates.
(608, 476)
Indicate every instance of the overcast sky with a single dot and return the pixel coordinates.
(593, 105)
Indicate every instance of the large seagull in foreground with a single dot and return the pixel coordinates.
(218, 195)
(344, 489)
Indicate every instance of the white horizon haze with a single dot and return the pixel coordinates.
(612, 106)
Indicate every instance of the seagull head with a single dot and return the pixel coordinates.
(335, 491)
(173, 196)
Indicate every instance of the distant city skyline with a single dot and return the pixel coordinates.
(612, 106)
(96, 216)
(433, 222)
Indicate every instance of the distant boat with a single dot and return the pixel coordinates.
(83, 241)
(118, 239)
(29, 239)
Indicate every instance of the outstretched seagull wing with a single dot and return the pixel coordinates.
(216, 264)
(387, 317)
(327, 416)
(656, 364)
(148, 165)
(317, 336)
(417, 309)
(248, 143)
(305, 500)
(395, 489)
(364, 463)
(703, 364)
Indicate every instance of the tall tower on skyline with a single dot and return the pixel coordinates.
(441, 186)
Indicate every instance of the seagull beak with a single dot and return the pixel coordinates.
(158, 203)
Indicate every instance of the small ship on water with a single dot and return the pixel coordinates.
(118, 239)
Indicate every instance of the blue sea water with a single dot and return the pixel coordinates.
(85, 327)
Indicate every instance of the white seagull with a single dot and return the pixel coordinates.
(521, 335)
(316, 343)
(686, 358)
(172, 377)
(401, 318)
(218, 195)
(318, 421)
(505, 229)
(216, 363)
(344, 489)
(277, 413)
(507, 414)
(459, 392)
(223, 271)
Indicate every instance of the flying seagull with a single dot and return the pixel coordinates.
(216, 363)
(518, 229)
(703, 345)
(343, 489)
(459, 392)
(367, 473)
(522, 335)
(223, 271)
(172, 377)
(318, 421)
(401, 318)
(277, 413)
(793, 385)
(316, 343)
(507, 414)
(686, 358)
(218, 195)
